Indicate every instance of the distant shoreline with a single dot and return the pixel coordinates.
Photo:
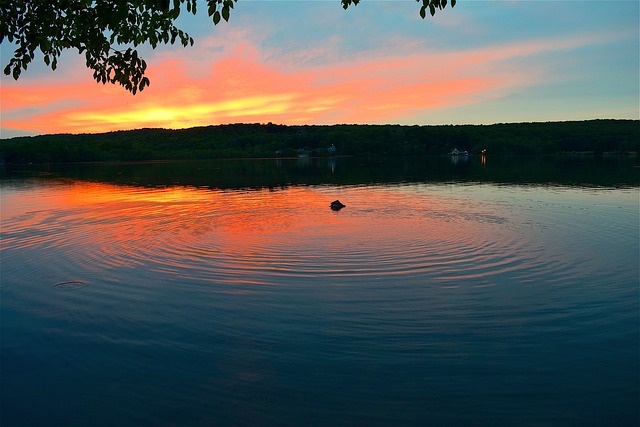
(282, 141)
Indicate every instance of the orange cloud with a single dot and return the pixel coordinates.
(242, 87)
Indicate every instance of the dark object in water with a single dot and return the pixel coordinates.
(336, 205)
(70, 284)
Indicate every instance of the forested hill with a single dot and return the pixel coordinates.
(269, 140)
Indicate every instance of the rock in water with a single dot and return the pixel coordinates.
(336, 205)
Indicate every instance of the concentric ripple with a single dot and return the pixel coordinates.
(287, 237)
(179, 303)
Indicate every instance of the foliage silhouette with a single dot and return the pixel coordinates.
(270, 140)
(108, 32)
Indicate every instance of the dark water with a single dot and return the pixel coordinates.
(466, 293)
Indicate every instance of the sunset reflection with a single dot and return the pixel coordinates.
(220, 292)
(257, 236)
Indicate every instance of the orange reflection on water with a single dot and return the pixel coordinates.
(138, 214)
(115, 216)
(263, 236)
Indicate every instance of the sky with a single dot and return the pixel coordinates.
(302, 62)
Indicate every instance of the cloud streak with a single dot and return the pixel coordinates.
(241, 82)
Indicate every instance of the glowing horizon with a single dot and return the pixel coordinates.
(250, 75)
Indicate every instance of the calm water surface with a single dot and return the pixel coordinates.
(446, 303)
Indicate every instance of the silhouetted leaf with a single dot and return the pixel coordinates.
(105, 31)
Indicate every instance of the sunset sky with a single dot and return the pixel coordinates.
(311, 62)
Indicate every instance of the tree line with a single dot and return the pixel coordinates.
(272, 140)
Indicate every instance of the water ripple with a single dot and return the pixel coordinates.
(144, 297)
(263, 238)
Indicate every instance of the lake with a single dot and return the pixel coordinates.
(448, 292)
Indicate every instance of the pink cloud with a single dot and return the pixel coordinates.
(237, 85)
